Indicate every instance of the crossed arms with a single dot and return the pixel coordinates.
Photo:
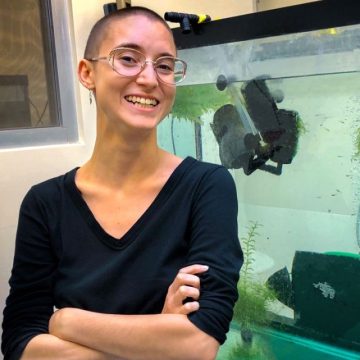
(80, 334)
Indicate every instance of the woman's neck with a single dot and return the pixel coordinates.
(117, 160)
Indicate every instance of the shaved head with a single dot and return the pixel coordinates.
(102, 26)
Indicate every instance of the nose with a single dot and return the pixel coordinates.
(148, 75)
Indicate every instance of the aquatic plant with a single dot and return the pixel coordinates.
(256, 351)
(193, 101)
(254, 297)
(248, 244)
(300, 125)
(251, 308)
(244, 352)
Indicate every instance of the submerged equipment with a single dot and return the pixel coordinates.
(254, 130)
(324, 292)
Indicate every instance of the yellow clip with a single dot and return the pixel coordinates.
(202, 18)
(330, 31)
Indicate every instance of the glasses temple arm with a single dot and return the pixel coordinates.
(97, 58)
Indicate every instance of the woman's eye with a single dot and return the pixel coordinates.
(128, 59)
(166, 67)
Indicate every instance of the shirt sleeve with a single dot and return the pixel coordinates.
(29, 305)
(214, 242)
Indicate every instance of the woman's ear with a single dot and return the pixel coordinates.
(86, 74)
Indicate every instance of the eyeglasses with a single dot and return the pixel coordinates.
(129, 62)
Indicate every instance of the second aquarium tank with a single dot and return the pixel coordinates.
(277, 102)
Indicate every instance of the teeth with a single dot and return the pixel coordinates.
(140, 100)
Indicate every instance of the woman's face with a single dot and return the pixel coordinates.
(115, 94)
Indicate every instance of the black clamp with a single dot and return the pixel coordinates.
(186, 20)
(115, 6)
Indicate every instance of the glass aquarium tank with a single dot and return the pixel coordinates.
(276, 101)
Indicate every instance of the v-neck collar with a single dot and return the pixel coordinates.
(133, 231)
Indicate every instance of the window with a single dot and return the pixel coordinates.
(37, 101)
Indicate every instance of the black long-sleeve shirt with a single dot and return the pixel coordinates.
(64, 258)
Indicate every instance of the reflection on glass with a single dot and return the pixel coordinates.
(24, 82)
(292, 144)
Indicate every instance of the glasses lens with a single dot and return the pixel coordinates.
(170, 70)
(127, 62)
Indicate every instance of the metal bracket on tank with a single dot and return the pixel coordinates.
(114, 6)
(187, 21)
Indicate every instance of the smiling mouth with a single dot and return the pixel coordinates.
(140, 101)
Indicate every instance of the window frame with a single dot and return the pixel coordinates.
(57, 40)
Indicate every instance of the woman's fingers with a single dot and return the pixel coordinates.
(186, 279)
(186, 276)
(188, 292)
(184, 291)
(194, 269)
(190, 307)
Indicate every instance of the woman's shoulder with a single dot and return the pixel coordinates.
(203, 177)
(52, 187)
(204, 169)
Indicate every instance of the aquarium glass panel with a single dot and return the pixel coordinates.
(283, 115)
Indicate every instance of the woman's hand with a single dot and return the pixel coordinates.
(185, 285)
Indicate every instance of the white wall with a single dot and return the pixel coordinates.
(20, 168)
(216, 9)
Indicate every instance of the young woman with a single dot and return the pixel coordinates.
(137, 248)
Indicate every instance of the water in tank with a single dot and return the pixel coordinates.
(282, 114)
